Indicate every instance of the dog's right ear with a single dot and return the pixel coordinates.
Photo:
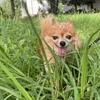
(47, 22)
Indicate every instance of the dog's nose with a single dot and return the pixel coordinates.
(62, 43)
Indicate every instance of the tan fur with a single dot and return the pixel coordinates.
(51, 28)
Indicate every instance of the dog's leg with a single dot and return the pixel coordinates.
(55, 81)
(50, 62)
(46, 68)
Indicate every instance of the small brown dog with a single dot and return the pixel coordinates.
(59, 36)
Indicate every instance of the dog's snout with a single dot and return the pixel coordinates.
(62, 43)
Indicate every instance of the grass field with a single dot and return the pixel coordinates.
(22, 74)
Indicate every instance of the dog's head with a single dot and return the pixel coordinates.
(60, 36)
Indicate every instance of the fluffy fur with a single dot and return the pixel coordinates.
(58, 35)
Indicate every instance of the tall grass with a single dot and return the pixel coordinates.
(22, 74)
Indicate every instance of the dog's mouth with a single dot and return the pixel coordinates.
(61, 50)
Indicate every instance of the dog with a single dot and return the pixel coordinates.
(59, 36)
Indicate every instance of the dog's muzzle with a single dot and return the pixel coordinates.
(62, 43)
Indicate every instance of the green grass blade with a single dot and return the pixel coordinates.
(10, 91)
(1, 96)
(6, 59)
(19, 87)
(42, 49)
(84, 64)
(76, 92)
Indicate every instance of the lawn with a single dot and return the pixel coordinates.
(22, 74)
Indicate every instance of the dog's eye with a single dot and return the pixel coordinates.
(69, 37)
(55, 37)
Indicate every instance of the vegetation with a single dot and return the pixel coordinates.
(10, 8)
(22, 74)
(76, 3)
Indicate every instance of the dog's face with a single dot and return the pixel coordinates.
(61, 37)
(61, 42)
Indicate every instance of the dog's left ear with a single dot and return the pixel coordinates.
(70, 23)
(69, 20)
(53, 21)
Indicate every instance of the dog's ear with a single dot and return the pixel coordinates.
(70, 23)
(69, 20)
(53, 21)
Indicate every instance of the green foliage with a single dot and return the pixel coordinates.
(22, 74)
(6, 7)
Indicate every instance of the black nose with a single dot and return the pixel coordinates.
(62, 43)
